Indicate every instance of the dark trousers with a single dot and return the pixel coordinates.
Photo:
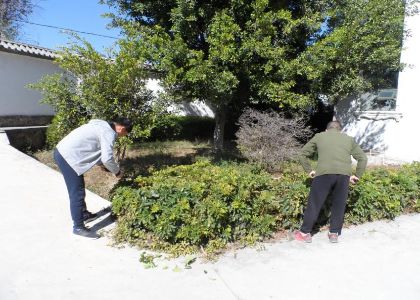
(75, 187)
(335, 185)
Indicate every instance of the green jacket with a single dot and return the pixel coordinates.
(334, 150)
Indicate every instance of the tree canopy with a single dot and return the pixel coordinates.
(358, 49)
(288, 53)
(11, 13)
(227, 53)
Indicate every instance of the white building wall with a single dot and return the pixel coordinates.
(369, 128)
(196, 108)
(404, 138)
(16, 71)
(394, 135)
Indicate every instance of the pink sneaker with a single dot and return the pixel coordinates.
(333, 237)
(303, 237)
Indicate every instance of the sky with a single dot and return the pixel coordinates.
(81, 15)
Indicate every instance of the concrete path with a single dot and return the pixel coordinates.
(41, 259)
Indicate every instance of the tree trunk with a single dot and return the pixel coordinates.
(219, 129)
(120, 155)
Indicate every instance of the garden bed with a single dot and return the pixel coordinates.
(175, 198)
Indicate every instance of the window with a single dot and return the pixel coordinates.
(384, 100)
(379, 106)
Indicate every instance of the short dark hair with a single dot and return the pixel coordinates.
(334, 124)
(124, 122)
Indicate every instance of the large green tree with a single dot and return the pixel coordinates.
(227, 53)
(289, 53)
(12, 12)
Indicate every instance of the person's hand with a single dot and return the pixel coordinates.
(312, 174)
(354, 179)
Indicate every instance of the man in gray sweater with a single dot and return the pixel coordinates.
(88, 145)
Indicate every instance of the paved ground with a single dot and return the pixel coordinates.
(41, 259)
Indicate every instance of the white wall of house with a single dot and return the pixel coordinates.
(394, 135)
(16, 71)
(195, 108)
(403, 139)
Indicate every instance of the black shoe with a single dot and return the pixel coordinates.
(89, 217)
(85, 232)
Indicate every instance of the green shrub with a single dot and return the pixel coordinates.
(384, 193)
(171, 127)
(199, 205)
(292, 189)
(204, 206)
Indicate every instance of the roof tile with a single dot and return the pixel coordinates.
(25, 49)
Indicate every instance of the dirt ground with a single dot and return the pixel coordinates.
(139, 158)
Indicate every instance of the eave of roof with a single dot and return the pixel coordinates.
(29, 50)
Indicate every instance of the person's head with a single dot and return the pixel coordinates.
(123, 126)
(334, 125)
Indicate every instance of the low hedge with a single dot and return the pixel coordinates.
(199, 205)
(185, 209)
(384, 193)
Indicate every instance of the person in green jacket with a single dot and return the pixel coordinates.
(332, 176)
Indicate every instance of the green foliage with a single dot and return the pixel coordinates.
(98, 86)
(292, 189)
(148, 260)
(358, 50)
(384, 194)
(12, 13)
(227, 53)
(203, 207)
(198, 205)
(59, 92)
(282, 53)
(171, 127)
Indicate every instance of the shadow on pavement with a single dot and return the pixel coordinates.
(110, 219)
